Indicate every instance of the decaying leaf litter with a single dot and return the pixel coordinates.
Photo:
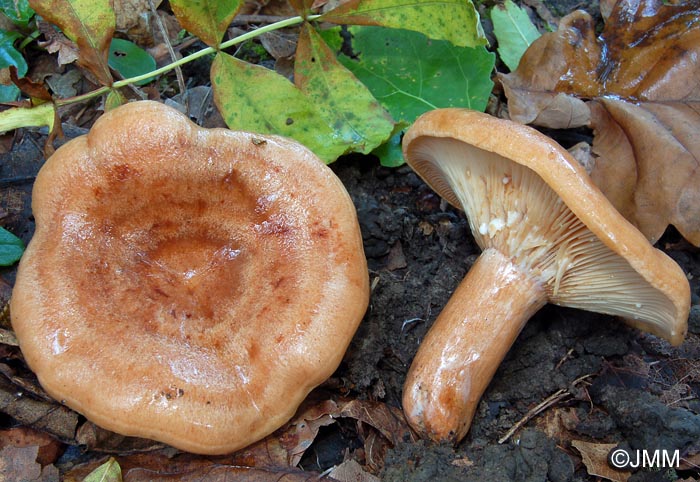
(619, 386)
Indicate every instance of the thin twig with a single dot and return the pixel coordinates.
(166, 39)
(554, 398)
(13, 181)
(537, 409)
(189, 58)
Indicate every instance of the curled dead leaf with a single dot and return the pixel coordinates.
(638, 86)
(56, 42)
(47, 416)
(648, 163)
(595, 458)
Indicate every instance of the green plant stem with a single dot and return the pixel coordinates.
(189, 58)
(29, 38)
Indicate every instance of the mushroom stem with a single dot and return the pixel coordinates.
(466, 344)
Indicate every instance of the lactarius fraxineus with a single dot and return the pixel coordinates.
(548, 235)
(184, 284)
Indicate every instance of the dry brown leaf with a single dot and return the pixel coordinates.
(48, 448)
(351, 471)
(297, 436)
(638, 87)
(19, 463)
(225, 473)
(558, 424)
(595, 458)
(96, 438)
(57, 42)
(648, 163)
(132, 13)
(159, 466)
(42, 415)
(389, 421)
(280, 44)
(7, 337)
(396, 259)
(690, 462)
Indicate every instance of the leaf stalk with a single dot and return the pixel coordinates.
(288, 22)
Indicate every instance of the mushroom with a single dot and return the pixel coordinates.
(184, 284)
(547, 235)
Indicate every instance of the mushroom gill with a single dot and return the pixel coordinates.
(511, 209)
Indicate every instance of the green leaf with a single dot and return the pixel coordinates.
(11, 248)
(18, 11)
(454, 20)
(107, 472)
(344, 102)
(207, 19)
(257, 99)
(390, 153)
(9, 55)
(114, 99)
(130, 60)
(88, 23)
(514, 32)
(411, 74)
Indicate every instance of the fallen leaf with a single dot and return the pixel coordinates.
(207, 19)
(304, 429)
(41, 415)
(11, 247)
(514, 32)
(65, 85)
(463, 462)
(289, 444)
(638, 86)
(132, 18)
(107, 472)
(411, 74)
(344, 102)
(558, 424)
(130, 60)
(460, 27)
(690, 462)
(19, 463)
(88, 23)
(253, 98)
(279, 44)
(56, 42)
(11, 57)
(226, 473)
(18, 12)
(595, 458)
(396, 258)
(352, 471)
(648, 163)
(96, 438)
(48, 448)
(159, 466)
(7, 337)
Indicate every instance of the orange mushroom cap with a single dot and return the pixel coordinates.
(184, 284)
(548, 235)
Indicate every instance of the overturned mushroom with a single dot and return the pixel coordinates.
(184, 284)
(547, 235)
